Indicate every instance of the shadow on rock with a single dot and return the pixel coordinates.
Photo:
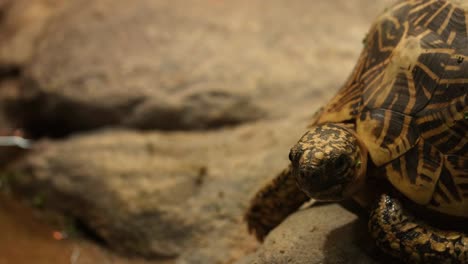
(342, 243)
(327, 233)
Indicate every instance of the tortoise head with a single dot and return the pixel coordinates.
(329, 163)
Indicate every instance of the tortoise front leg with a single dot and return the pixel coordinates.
(273, 203)
(401, 235)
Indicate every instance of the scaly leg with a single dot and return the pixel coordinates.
(401, 235)
(273, 203)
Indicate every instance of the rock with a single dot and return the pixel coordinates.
(26, 238)
(8, 93)
(319, 234)
(21, 23)
(191, 65)
(162, 195)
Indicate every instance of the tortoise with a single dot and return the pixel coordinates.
(394, 138)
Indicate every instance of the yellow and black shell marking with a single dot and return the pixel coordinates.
(408, 99)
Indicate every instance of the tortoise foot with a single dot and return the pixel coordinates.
(401, 235)
(273, 203)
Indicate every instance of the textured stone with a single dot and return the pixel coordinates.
(326, 233)
(162, 195)
(8, 93)
(21, 24)
(187, 65)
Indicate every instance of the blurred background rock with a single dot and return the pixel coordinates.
(156, 121)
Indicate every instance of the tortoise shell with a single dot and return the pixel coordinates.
(407, 98)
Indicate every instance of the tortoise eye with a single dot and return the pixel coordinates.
(291, 156)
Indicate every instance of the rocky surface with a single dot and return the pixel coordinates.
(162, 195)
(323, 233)
(190, 65)
(21, 24)
(8, 93)
(175, 192)
(27, 239)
